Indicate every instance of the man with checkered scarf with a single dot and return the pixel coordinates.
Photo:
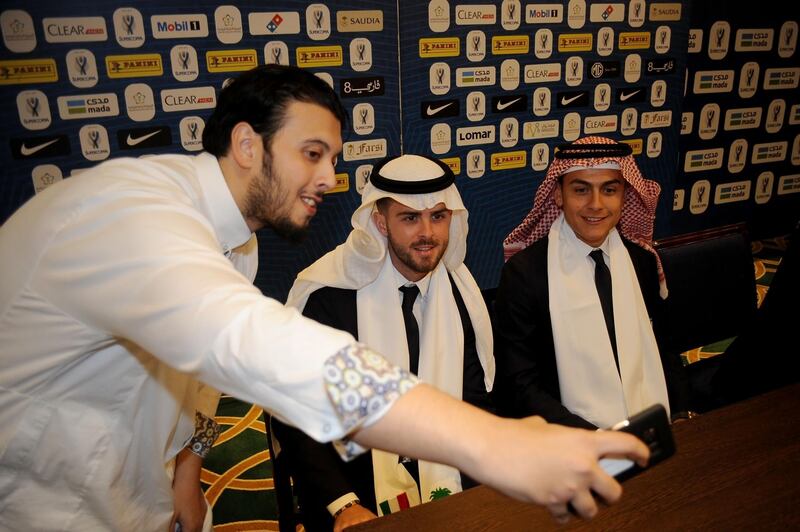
(563, 351)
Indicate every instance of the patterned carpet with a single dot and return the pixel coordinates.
(237, 474)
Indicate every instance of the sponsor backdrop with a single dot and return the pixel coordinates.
(492, 88)
(740, 126)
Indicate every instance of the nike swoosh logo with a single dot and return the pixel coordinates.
(430, 111)
(623, 96)
(567, 101)
(503, 105)
(24, 150)
(131, 141)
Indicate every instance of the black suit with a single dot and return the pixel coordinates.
(320, 476)
(527, 374)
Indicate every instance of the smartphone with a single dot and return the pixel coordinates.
(652, 427)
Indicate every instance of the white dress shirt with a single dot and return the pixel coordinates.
(116, 296)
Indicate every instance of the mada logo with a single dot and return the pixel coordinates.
(703, 160)
(731, 192)
(754, 40)
(88, 106)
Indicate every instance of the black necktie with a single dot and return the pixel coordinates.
(602, 281)
(412, 328)
(412, 337)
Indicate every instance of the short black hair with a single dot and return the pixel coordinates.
(260, 97)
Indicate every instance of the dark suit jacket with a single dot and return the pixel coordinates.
(527, 375)
(320, 476)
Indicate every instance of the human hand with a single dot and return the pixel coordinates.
(556, 466)
(189, 503)
(353, 515)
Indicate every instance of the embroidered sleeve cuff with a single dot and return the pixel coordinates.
(342, 503)
(362, 385)
(206, 431)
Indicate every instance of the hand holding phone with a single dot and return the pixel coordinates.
(652, 427)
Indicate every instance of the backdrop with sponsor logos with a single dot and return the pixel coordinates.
(740, 126)
(489, 87)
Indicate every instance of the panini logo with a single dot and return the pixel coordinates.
(350, 21)
(186, 99)
(730, 192)
(454, 163)
(653, 119)
(711, 81)
(789, 184)
(179, 26)
(510, 44)
(607, 13)
(575, 42)
(274, 23)
(231, 60)
(134, 66)
(781, 78)
(75, 29)
(544, 13)
(702, 160)
(342, 184)
(88, 106)
(634, 40)
(746, 118)
(364, 149)
(475, 77)
(509, 160)
(600, 124)
(665, 11)
(754, 40)
(635, 144)
(769, 152)
(540, 129)
(470, 136)
(440, 47)
(542, 73)
(16, 71)
(476, 14)
(319, 56)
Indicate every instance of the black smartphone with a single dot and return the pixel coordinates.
(652, 427)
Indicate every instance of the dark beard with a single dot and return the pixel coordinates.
(267, 202)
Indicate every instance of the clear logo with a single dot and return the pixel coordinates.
(74, 29)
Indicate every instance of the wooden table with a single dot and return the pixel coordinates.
(737, 468)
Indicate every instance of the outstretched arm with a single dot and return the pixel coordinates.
(527, 459)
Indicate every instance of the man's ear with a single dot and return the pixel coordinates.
(380, 222)
(557, 197)
(246, 146)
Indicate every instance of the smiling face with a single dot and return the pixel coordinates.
(592, 202)
(417, 240)
(297, 169)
